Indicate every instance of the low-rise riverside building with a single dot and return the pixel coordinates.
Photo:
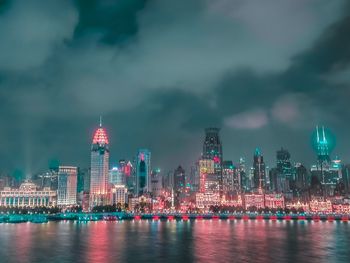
(27, 195)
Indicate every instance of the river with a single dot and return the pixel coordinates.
(176, 241)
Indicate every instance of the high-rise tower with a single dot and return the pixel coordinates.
(99, 168)
(322, 145)
(259, 170)
(212, 150)
(67, 185)
(143, 171)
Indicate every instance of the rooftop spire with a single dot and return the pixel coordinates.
(100, 121)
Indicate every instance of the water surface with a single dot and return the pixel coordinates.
(176, 241)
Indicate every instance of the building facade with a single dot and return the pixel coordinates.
(27, 195)
(99, 168)
(67, 186)
(143, 172)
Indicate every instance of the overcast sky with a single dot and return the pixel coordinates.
(265, 72)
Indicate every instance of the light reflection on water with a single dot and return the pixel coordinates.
(176, 241)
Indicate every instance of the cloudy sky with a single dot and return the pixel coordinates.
(160, 71)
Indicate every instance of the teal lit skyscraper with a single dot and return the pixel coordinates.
(143, 171)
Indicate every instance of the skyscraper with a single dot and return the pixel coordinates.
(212, 150)
(284, 171)
(179, 179)
(231, 178)
(143, 171)
(244, 177)
(116, 176)
(156, 183)
(322, 145)
(99, 168)
(327, 172)
(259, 170)
(67, 185)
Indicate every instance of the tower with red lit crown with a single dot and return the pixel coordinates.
(99, 168)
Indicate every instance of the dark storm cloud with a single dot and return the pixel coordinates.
(162, 71)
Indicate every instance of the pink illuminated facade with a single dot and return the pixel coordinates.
(99, 168)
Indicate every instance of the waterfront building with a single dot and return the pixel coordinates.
(298, 206)
(341, 208)
(27, 195)
(143, 171)
(274, 201)
(320, 206)
(254, 200)
(119, 194)
(235, 201)
(99, 168)
(205, 200)
(67, 186)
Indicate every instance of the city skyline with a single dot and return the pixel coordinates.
(265, 84)
(175, 131)
(314, 138)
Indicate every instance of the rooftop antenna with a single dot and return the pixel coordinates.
(100, 121)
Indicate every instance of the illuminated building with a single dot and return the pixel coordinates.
(208, 179)
(230, 178)
(99, 168)
(328, 172)
(156, 183)
(299, 205)
(119, 194)
(205, 200)
(320, 206)
(116, 176)
(259, 170)
(236, 201)
(254, 200)
(212, 150)
(48, 179)
(67, 185)
(322, 146)
(140, 204)
(341, 208)
(143, 171)
(274, 201)
(126, 169)
(193, 179)
(27, 195)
